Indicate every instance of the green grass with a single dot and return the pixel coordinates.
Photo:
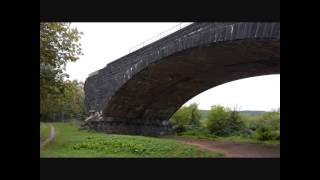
(233, 139)
(241, 139)
(44, 131)
(70, 142)
(198, 135)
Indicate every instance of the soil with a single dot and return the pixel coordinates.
(231, 149)
(50, 137)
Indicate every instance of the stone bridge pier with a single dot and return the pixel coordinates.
(138, 93)
(147, 128)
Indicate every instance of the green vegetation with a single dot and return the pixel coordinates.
(71, 142)
(224, 124)
(44, 131)
(222, 121)
(186, 118)
(62, 100)
(233, 139)
(264, 127)
(199, 133)
(59, 99)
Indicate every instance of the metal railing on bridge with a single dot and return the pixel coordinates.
(159, 36)
(153, 39)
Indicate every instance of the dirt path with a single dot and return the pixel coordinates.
(231, 149)
(50, 138)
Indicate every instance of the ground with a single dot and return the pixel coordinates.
(44, 131)
(69, 141)
(232, 149)
(48, 135)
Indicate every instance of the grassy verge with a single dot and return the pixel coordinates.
(70, 142)
(44, 131)
(241, 139)
(233, 139)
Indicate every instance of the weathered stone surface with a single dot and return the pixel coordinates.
(137, 91)
(130, 127)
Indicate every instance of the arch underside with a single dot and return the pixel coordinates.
(146, 102)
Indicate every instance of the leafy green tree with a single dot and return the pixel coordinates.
(268, 126)
(72, 100)
(69, 104)
(270, 120)
(265, 126)
(59, 44)
(223, 121)
(217, 118)
(186, 118)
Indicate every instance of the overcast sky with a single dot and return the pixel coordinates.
(103, 43)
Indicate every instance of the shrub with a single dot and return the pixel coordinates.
(275, 135)
(186, 118)
(270, 120)
(265, 134)
(224, 122)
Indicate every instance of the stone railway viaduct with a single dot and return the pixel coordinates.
(138, 93)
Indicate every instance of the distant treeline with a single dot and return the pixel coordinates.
(204, 113)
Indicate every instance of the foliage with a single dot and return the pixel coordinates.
(269, 126)
(222, 121)
(264, 127)
(186, 118)
(198, 133)
(44, 131)
(225, 124)
(59, 44)
(265, 134)
(270, 120)
(69, 104)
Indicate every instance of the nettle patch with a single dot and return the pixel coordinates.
(113, 144)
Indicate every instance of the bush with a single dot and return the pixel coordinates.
(271, 120)
(224, 122)
(263, 127)
(275, 135)
(265, 134)
(186, 118)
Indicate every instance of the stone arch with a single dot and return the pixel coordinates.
(147, 98)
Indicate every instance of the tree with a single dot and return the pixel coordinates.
(186, 118)
(223, 121)
(59, 44)
(72, 100)
(69, 104)
(270, 120)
